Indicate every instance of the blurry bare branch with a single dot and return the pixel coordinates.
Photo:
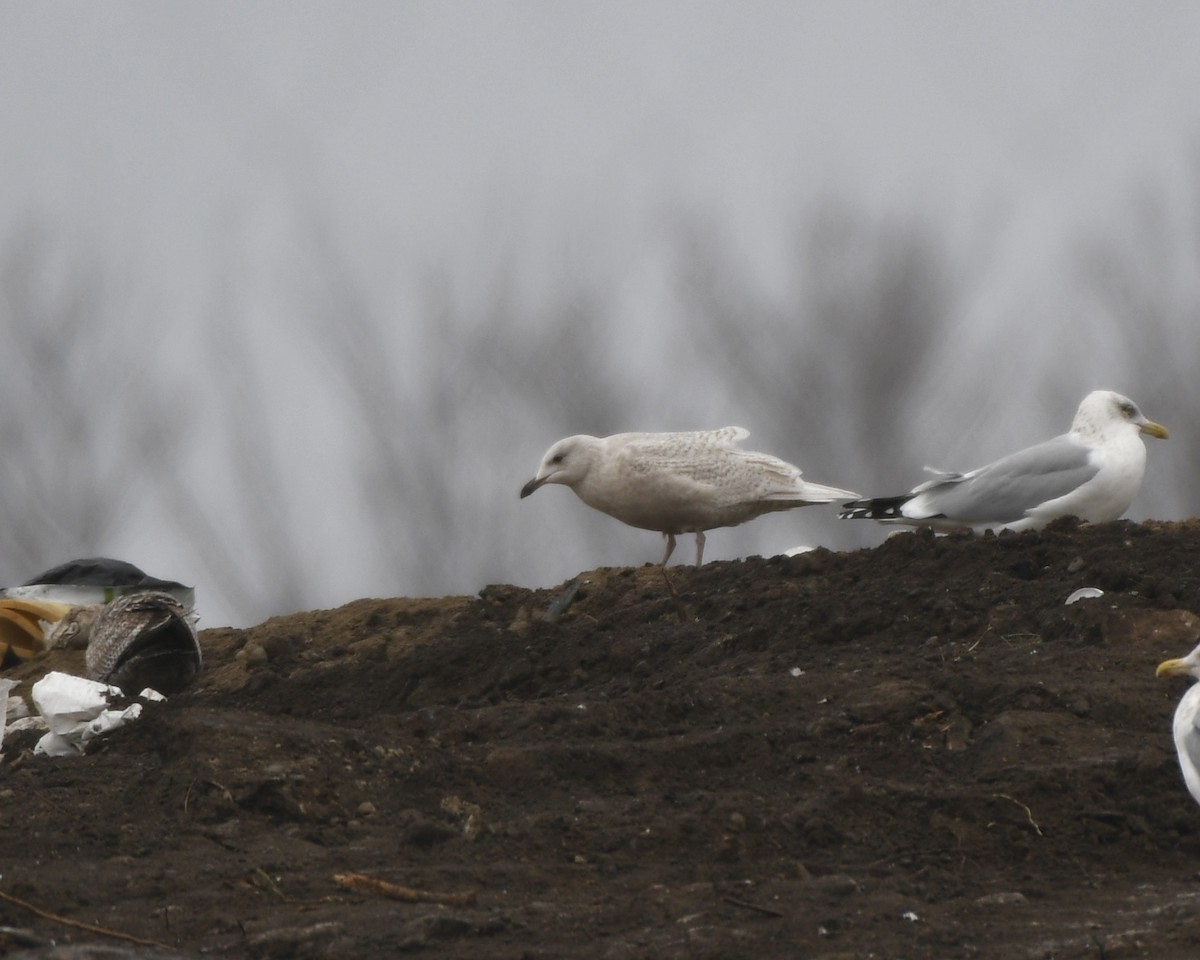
(1145, 284)
(426, 469)
(68, 396)
(841, 359)
(247, 540)
(94, 431)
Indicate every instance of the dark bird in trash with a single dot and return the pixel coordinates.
(139, 640)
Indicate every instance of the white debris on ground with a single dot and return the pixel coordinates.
(75, 711)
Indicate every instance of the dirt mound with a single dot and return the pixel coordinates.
(916, 751)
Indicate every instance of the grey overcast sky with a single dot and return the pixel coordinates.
(160, 117)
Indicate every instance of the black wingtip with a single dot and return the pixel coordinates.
(878, 508)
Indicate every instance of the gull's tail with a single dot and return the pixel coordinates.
(819, 493)
(787, 483)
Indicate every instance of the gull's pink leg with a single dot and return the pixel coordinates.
(670, 547)
(699, 547)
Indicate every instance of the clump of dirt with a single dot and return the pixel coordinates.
(919, 750)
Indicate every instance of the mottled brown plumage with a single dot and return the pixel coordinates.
(139, 640)
(74, 628)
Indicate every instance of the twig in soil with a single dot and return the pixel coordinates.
(751, 906)
(1028, 813)
(80, 925)
(272, 885)
(187, 796)
(382, 888)
(680, 608)
(258, 878)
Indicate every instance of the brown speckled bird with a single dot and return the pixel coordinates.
(74, 627)
(138, 640)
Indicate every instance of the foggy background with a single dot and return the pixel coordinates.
(295, 296)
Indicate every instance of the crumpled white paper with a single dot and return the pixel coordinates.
(76, 710)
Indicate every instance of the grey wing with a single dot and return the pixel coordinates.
(1005, 490)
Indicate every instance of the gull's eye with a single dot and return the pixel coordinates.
(1129, 410)
(557, 458)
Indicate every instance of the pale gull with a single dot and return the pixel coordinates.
(1185, 729)
(1091, 472)
(678, 482)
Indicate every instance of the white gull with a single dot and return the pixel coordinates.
(1185, 728)
(678, 482)
(1091, 472)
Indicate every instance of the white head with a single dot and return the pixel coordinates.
(1184, 666)
(1103, 411)
(566, 462)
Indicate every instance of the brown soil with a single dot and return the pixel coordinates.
(916, 751)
